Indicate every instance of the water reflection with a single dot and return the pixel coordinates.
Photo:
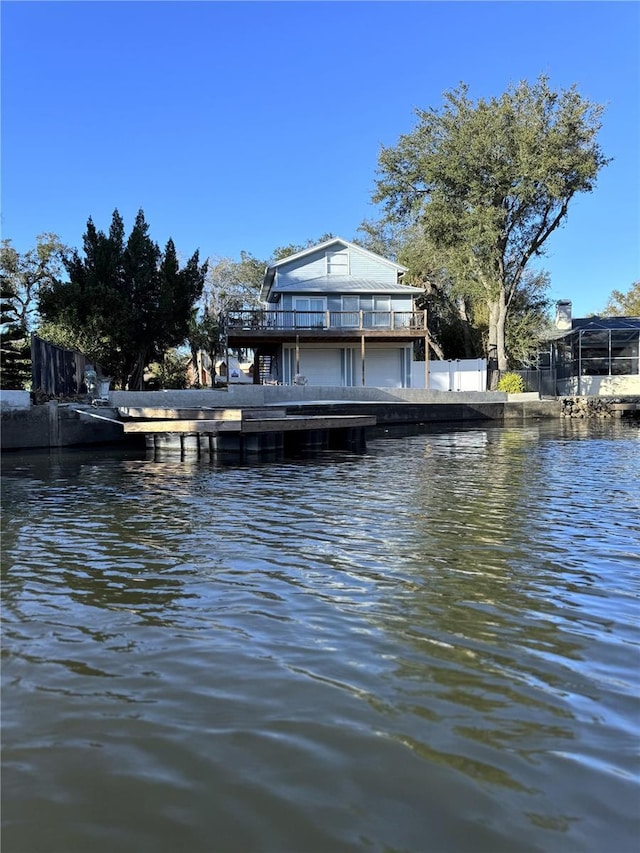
(435, 640)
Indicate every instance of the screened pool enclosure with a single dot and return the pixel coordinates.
(598, 355)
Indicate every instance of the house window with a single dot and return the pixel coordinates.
(309, 313)
(382, 311)
(289, 364)
(350, 316)
(338, 262)
(347, 367)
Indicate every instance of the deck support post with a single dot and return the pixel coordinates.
(190, 444)
(362, 352)
(426, 351)
(297, 355)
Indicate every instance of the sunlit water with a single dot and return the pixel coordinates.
(433, 646)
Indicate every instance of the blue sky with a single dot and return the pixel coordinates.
(250, 125)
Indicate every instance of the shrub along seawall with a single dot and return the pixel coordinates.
(58, 424)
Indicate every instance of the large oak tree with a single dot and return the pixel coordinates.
(23, 275)
(489, 182)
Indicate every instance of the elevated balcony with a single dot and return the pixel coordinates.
(266, 324)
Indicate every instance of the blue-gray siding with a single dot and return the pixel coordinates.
(315, 266)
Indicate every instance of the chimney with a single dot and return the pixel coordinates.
(563, 314)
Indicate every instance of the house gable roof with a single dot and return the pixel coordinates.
(338, 242)
(345, 244)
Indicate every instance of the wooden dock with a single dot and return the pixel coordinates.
(265, 432)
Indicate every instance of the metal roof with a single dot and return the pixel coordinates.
(603, 323)
(338, 284)
(594, 324)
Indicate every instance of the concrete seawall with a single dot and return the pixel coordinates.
(57, 425)
(264, 395)
(67, 424)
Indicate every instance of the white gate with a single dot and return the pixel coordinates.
(469, 374)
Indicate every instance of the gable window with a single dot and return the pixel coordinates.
(338, 262)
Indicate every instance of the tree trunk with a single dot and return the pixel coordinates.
(501, 322)
(136, 375)
(469, 349)
(497, 362)
(436, 348)
(196, 365)
(212, 353)
(492, 346)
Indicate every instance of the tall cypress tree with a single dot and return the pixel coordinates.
(126, 301)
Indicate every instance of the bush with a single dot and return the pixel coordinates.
(511, 383)
(170, 373)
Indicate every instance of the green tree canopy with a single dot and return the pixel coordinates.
(488, 182)
(457, 318)
(15, 349)
(231, 285)
(281, 252)
(624, 304)
(126, 302)
(24, 275)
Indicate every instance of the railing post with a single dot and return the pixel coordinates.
(328, 319)
(393, 319)
(360, 319)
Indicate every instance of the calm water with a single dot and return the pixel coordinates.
(430, 647)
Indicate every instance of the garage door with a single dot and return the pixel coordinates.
(321, 366)
(383, 368)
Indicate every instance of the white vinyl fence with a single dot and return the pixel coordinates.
(469, 374)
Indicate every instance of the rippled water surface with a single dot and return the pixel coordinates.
(433, 646)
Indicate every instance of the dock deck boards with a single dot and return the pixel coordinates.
(251, 424)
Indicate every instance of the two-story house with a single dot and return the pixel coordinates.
(334, 314)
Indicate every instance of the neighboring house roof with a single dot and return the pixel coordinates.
(343, 284)
(603, 323)
(334, 241)
(594, 324)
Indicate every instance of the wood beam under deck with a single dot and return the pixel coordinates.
(253, 338)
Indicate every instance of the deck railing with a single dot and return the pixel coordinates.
(266, 319)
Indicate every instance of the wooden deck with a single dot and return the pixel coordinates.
(213, 421)
(249, 433)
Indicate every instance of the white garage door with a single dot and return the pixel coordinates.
(321, 366)
(383, 368)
